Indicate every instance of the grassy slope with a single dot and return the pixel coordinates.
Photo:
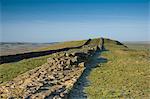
(11, 70)
(125, 75)
(62, 45)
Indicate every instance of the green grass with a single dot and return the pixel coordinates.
(11, 70)
(62, 45)
(125, 75)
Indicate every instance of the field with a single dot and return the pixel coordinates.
(125, 75)
(138, 45)
(7, 48)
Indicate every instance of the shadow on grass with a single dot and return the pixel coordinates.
(77, 91)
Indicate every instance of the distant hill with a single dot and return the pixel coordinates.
(137, 42)
(10, 48)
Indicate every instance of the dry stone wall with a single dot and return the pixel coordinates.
(52, 80)
(18, 57)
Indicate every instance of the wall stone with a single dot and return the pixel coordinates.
(53, 79)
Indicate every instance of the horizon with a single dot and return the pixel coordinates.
(75, 40)
(46, 21)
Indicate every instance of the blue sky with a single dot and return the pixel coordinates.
(62, 20)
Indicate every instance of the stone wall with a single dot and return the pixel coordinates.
(52, 80)
(18, 57)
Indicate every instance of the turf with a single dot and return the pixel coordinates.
(125, 75)
(11, 70)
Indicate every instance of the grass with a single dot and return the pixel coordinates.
(62, 45)
(125, 75)
(95, 41)
(9, 71)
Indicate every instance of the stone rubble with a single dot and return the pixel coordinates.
(52, 80)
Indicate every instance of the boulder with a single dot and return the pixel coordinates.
(74, 59)
(66, 55)
(50, 60)
(82, 64)
(72, 54)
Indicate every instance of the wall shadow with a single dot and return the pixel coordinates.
(77, 91)
(18, 57)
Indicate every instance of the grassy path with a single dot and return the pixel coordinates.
(78, 90)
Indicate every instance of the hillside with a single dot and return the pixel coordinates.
(125, 74)
(78, 69)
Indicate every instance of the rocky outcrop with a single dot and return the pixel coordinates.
(52, 80)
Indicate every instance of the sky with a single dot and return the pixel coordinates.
(63, 20)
